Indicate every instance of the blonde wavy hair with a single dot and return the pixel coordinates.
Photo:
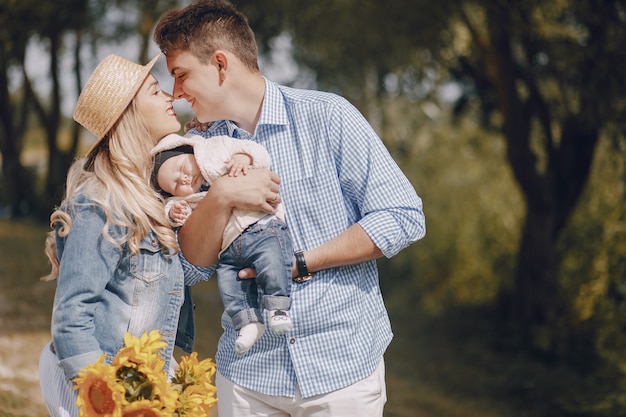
(117, 178)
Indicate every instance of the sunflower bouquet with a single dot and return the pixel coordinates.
(134, 383)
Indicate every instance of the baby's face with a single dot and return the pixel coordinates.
(180, 175)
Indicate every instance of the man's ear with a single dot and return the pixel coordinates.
(221, 61)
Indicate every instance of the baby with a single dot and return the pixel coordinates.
(182, 164)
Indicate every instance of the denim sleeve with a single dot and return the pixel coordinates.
(87, 264)
(194, 274)
(391, 211)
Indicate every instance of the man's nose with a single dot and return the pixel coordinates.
(177, 91)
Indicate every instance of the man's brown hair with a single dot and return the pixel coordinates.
(204, 27)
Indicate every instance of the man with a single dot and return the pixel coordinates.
(347, 204)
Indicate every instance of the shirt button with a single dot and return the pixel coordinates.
(154, 243)
(292, 340)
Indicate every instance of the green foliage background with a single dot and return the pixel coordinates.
(457, 351)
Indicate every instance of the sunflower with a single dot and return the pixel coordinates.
(98, 393)
(193, 379)
(141, 382)
(193, 372)
(194, 403)
(191, 405)
(141, 350)
(145, 408)
(135, 383)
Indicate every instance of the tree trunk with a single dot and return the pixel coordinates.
(18, 184)
(535, 289)
(552, 185)
(536, 300)
(18, 190)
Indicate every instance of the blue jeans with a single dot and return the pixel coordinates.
(268, 249)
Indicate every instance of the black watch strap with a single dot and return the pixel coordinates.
(303, 271)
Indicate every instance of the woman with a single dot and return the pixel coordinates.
(112, 249)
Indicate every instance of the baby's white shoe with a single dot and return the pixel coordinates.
(279, 321)
(248, 334)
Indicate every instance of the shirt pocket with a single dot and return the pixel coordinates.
(150, 265)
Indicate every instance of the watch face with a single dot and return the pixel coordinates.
(303, 278)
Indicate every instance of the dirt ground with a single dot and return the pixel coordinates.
(19, 380)
(22, 335)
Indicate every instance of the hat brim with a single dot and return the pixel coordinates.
(107, 94)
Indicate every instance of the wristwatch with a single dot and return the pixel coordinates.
(303, 271)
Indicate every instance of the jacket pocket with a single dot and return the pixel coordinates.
(150, 265)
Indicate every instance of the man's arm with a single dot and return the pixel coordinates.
(200, 237)
(390, 212)
(350, 247)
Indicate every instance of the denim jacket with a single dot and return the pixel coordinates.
(103, 291)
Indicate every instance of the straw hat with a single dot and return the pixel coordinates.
(108, 92)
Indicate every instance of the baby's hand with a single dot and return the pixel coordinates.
(238, 164)
(179, 212)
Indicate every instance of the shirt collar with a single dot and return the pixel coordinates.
(273, 111)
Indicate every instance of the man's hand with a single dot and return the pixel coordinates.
(258, 190)
(248, 273)
(201, 236)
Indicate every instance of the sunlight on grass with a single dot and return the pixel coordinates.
(20, 394)
(25, 305)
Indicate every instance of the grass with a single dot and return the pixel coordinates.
(25, 305)
(451, 365)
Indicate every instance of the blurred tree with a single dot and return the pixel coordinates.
(57, 20)
(54, 20)
(140, 17)
(14, 36)
(547, 74)
(63, 27)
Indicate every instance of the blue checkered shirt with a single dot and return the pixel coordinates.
(335, 171)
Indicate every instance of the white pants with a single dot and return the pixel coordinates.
(365, 398)
(58, 391)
